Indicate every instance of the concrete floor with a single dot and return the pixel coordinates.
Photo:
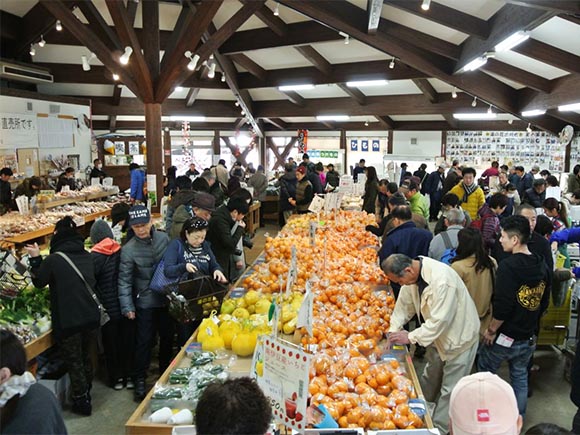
(550, 402)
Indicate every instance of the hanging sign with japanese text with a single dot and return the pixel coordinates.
(18, 130)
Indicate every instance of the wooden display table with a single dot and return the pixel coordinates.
(253, 218)
(39, 345)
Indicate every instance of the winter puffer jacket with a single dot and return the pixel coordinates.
(180, 198)
(139, 257)
(106, 257)
(72, 309)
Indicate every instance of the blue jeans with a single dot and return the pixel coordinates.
(517, 356)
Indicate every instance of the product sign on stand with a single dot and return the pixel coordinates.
(281, 370)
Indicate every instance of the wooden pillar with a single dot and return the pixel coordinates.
(342, 146)
(567, 156)
(444, 144)
(154, 148)
(390, 138)
(166, 149)
(263, 152)
(216, 146)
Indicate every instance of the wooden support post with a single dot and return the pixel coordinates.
(167, 149)
(443, 143)
(154, 148)
(216, 146)
(390, 142)
(342, 146)
(263, 153)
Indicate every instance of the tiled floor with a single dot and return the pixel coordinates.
(550, 402)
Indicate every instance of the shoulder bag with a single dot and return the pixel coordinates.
(104, 315)
(159, 282)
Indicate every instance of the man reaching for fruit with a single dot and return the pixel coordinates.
(449, 325)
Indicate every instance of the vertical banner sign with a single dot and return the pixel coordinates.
(354, 144)
(152, 190)
(376, 145)
(285, 381)
(364, 145)
(302, 141)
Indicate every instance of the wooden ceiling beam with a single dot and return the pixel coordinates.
(572, 18)
(567, 117)
(315, 58)
(295, 98)
(508, 20)
(151, 39)
(329, 125)
(116, 99)
(374, 9)
(140, 125)
(175, 62)
(385, 122)
(99, 26)
(567, 6)
(191, 96)
(549, 54)
(427, 90)
(453, 123)
(354, 93)
(241, 122)
(445, 16)
(132, 12)
(113, 123)
(10, 27)
(518, 75)
(565, 90)
(184, 20)
(252, 67)
(91, 41)
(276, 24)
(277, 122)
(128, 38)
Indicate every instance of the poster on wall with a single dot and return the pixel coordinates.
(302, 141)
(17, 130)
(134, 148)
(120, 148)
(354, 145)
(376, 145)
(151, 190)
(364, 145)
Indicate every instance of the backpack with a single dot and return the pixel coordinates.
(450, 252)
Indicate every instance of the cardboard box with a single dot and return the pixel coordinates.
(60, 387)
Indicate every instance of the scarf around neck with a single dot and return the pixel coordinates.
(468, 191)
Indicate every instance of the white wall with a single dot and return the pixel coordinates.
(9, 142)
(428, 144)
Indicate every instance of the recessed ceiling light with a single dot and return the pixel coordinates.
(475, 116)
(367, 83)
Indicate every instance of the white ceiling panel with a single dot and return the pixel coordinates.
(266, 94)
(299, 119)
(100, 117)
(134, 118)
(55, 53)
(531, 65)
(216, 94)
(278, 58)
(168, 14)
(355, 51)
(228, 9)
(395, 87)
(483, 9)
(76, 89)
(287, 15)
(508, 82)
(417, 118)
(441, 86)
(17, 7)
(126, 93)
(323, 91)
(560, 33)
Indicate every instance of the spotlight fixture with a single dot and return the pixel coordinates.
(277, 10)
(166, 128)
(489, 111)
(474, 102)
(366, 123)
(223, 77)
(392, 63)
(529, 128)
(243, 112)
(211, 57)
(115, 77)
(58, 26)
(86, 61)
(425, 5)
(124, 59)
(237, 103)
(454, 92)
(42, 42)
(211, 72)
(32, 50)
(510, 122)
(193, 59)
(346, 37)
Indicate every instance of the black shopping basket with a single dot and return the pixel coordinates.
(195, 299)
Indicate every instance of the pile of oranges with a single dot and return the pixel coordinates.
(351, 313)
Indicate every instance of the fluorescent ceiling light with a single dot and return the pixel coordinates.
(475, 63)
(512, 40)
(569, 107)
(537, 112)
(333, 118)
(187, 118)
(295, 87)
(367, 83)
(475, 116)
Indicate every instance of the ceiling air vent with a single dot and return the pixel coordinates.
(54, 109)
(29, 106)
(22, 73)
(413, 141)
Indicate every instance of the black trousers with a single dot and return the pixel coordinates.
(150, 322)
(119, 344)
(435, 204)
(76, 353)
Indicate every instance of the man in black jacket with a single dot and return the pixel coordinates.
(536, 194)
(97, 171)
(433, 186)
(5, 190)
(520, 297)
(219, 234)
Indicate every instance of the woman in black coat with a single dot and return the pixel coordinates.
(118, 333)
(371, 190)
(75, 315)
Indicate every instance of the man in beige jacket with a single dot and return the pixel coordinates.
(449, 325)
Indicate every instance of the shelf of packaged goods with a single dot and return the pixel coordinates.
(43, 206)
(39, 345)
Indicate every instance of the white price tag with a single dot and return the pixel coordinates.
(505, 341)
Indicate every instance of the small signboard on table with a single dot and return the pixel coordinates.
(283, 377)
